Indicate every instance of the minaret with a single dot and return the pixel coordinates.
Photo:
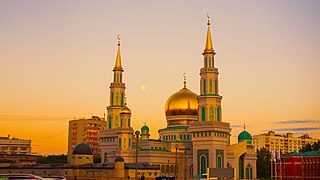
(209, 99)
(211, 136)
(117, 91)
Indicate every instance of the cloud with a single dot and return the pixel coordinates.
(296, 129)
(236, 126)
(307, 121)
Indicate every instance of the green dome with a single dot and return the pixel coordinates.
(245, 135)
(145, 128)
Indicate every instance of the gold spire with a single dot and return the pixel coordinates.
(184, 80)
(209, 47)
(244, 126)
(118, 59)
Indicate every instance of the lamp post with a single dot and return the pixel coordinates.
(175, 167)
(137, 133)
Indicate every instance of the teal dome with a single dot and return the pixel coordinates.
(245, 135)
(145, 128)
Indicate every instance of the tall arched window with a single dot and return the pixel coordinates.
(203, 164)
(211, 114)
(129, 122)
(216, 87)
(122, 98)
(203, 114)
(205, 62)
(219, 162)
(209, 59)
(117, 98)
(210, 86)
(110, 122)
(111, 99)
(204, 87)
(219, 114)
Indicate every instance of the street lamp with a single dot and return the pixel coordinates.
(175, 167)
(137, 133)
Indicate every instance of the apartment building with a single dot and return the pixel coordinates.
(14, 146)
(85, 130)
(287, 143)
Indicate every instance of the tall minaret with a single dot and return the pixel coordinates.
(211, 136)
(117, 91)
(209, 99)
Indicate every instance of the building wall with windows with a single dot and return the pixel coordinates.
(85, 130)
(14, 146)
(299, 166)
(287, 143)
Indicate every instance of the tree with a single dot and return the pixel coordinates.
(314, 147)
(263, 163)
(52, 159)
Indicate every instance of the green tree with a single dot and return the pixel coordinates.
(263, 163)
(314, 147)
(52, 159)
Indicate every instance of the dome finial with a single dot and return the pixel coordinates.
(244, 126)
(208, 49)
(208, 19)
(118, 59)
(184, 80)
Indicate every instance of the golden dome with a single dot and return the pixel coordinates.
(183, 102)
(125, 110)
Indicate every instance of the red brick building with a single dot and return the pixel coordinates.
(299, 166)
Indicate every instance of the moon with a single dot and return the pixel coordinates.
(142, 87)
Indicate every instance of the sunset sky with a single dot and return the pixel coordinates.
(56, 61)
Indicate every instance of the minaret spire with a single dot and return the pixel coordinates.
(118, 59)
(184, 80)
(209, 48)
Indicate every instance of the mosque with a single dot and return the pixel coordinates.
(195, 139)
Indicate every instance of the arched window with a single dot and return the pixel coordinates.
(122, 98)
(110, 122)
(120, 143)
(218, 114)
(205, 62)
(204, 87)
(203, 114)
(129, 122)
(249, 172)
(191, 171)
(210, 86)
(211, 114)
(111, 99)
(216, 87)
(209, 59)
(117, 98)
(203, 164)
(219, 162)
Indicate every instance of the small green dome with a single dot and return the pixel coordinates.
(145, 128)
(245, 135)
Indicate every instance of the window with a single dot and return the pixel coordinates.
(110, 122)
(211, 114)
(210, 86)
(219, 162)
(203, 114)
(216, 86)
(203, 164)
(218, 114)
(117, 98)
(204, 87)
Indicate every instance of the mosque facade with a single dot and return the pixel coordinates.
(196, 137)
